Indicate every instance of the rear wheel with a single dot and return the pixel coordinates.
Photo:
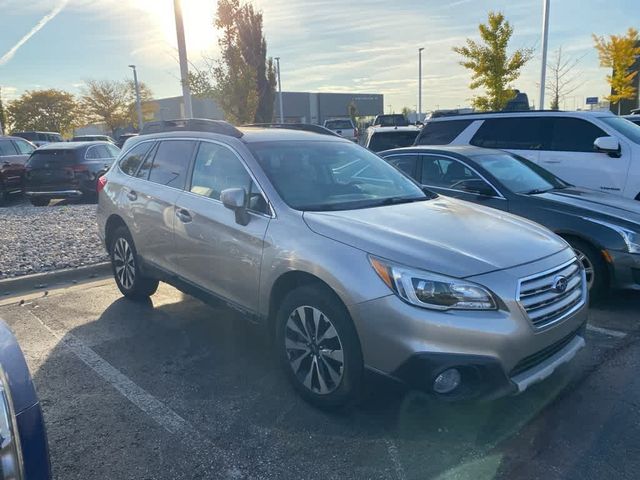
(126, 268)
(39, 202)
(318, 347)
(595, 268)
(3, 194)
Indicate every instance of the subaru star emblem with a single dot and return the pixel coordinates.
(560, 283)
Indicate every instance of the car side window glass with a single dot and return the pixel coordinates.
(92, 153)
(441, 133)
(132, 160)
(112, 151)
(7, 148)
(171, 163)
(574, 135)
(217, 168)
(23, 147)
(404, 163)
(513, 133)
(448, 173)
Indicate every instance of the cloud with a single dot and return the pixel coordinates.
(36, 28)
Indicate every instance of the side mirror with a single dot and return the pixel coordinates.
(609, 145)
(236, 199)
(479, 187)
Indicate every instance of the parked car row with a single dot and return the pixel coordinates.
(53, 171)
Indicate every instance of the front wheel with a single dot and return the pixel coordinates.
(319, 348)
(126, 268)
(39, 202)
(594, 266)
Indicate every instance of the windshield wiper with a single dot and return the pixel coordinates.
(399, 200)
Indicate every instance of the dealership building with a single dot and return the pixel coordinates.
(297, 107)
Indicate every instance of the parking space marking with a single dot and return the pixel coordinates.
(392, 450)
(154, 408)
(606, 331)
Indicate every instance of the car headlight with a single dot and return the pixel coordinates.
(632, 239)
(10, 451)
(432, 290)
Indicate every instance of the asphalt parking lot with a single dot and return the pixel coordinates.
(175, 389)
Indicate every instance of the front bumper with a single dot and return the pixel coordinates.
(626, 270)
(496, 352)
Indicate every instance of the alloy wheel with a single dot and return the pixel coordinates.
(124, 263)
(314, 350)
(589, 269)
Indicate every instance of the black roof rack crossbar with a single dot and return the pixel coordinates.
(306, 127)
(454, 113)
(191, 125)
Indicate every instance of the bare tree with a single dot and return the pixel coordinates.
(563, 78)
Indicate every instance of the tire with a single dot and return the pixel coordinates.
(39, 202)
(595, 267)
(126, 268)
(327, 373)
(3, 194)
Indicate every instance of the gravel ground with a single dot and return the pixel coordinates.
(40, 239)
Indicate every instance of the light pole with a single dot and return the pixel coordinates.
(184, 66)
(138, 103)
(279, 89)
(545, 38)
(420, 83)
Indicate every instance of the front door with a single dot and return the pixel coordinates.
(213, 251)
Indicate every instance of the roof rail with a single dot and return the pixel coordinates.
(306, 127)
(492, 112)
(191, 125)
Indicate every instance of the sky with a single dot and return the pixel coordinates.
(325, 45)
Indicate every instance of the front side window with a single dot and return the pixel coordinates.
(574, 135)
(133, 159)
(323, 175)
(404, 163)
(448, 173)
(23, 147)
(171, 163)
(97, 152)
(7, 148)
(112, 150)
(441, 133)
(513, 133)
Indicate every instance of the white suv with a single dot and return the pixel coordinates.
(590, 149)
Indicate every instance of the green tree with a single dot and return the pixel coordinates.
(3, 116)
(352, 111)
(112, 102)
(619, 52)
(243, 80)
(48, 110)
(492, 68)
(405, 111)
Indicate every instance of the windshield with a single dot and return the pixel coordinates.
(332, 176)
(394, 139)
(518, 174)
(625, 127)
(51, 158)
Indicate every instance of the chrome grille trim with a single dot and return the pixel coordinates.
(545, 306)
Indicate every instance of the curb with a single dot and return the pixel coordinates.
(54, 279)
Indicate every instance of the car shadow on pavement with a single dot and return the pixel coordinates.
(218, 374)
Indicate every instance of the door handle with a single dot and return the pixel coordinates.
(183, 215)
(132, 195)
(551, 161)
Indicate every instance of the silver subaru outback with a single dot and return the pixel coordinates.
(346, 261)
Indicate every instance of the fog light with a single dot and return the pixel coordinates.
(447, 381)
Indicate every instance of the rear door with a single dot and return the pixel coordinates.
(151, 196)
(212, 250)
(449, 176)
(11, 167)
(525, 136)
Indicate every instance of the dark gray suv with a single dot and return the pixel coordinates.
(347, 261)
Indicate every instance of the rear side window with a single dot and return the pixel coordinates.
(394, 139)
(171, 163)
(405, 163)
(7, 148)
(513, 133)
(132, 160)
(574, 135)
(441, 133)
(338, 124)
(52, 158)
(97, 152)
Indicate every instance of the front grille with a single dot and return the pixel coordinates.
(540, 356)
(544, 303)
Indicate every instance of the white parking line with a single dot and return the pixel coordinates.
(392, 450)
(606, 331)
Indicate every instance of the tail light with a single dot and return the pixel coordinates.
(102, 182)
(79, 168)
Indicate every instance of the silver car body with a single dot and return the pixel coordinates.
(246, 265)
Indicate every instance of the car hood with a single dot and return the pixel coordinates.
(443, 235)
(594, 204)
